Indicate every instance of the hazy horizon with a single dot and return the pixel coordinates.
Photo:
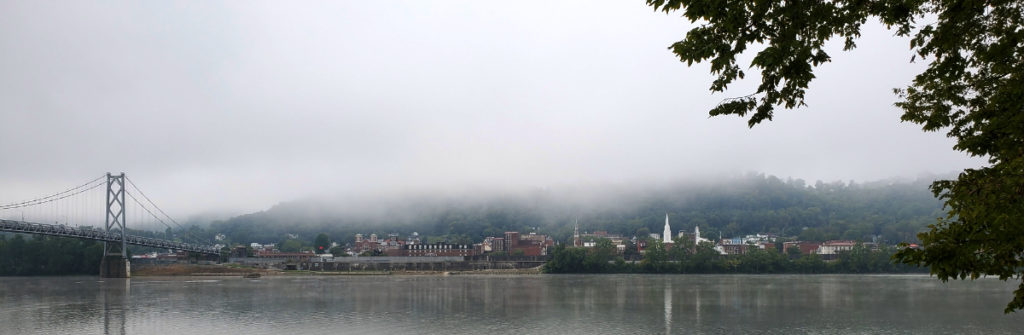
(579, 199)
(231, 108)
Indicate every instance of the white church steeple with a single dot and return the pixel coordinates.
(667, 236)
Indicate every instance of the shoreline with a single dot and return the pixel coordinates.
(195, 270)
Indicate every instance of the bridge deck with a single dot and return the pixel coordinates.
(100, 235)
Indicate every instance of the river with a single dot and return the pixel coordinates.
(525, 304)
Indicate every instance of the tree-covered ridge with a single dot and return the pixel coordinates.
(889, 211)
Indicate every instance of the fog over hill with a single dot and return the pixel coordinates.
(231, 107)
(892, 210)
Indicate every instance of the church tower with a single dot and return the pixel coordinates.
(576, 242)
(667, 236)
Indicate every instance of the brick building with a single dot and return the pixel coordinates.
(529, 245)
(438, 249)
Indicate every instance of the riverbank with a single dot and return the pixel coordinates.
(526, 271)
(199, 270)
(235, 270)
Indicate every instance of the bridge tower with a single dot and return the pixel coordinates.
(115, 262)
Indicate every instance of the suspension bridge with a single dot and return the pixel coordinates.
(75, 213)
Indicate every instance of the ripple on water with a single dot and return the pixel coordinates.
(506, 305)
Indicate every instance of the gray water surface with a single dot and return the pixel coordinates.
(551, 304)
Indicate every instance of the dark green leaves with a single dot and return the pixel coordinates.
(973, 88)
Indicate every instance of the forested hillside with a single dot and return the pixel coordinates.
(889, 211)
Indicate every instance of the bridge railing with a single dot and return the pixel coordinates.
(99, 235)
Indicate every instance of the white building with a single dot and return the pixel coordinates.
(668, 232)
(696, 236)
(834, 247)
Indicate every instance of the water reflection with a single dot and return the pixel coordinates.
(572, 304)
(668, 307)
(696, 307)
(115, 293)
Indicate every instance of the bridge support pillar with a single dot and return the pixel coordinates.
(115, 253)
(115, 266)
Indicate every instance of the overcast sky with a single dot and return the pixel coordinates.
(236, 106)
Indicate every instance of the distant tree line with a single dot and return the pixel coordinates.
(45, 255)
(687, 258)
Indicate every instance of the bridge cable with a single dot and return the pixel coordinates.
(143, 194)
(18, 205)
(154, 204)
(40, 201)
(146, 209)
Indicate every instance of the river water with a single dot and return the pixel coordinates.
(531, 304)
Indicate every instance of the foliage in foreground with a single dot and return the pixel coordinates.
(973, 88)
